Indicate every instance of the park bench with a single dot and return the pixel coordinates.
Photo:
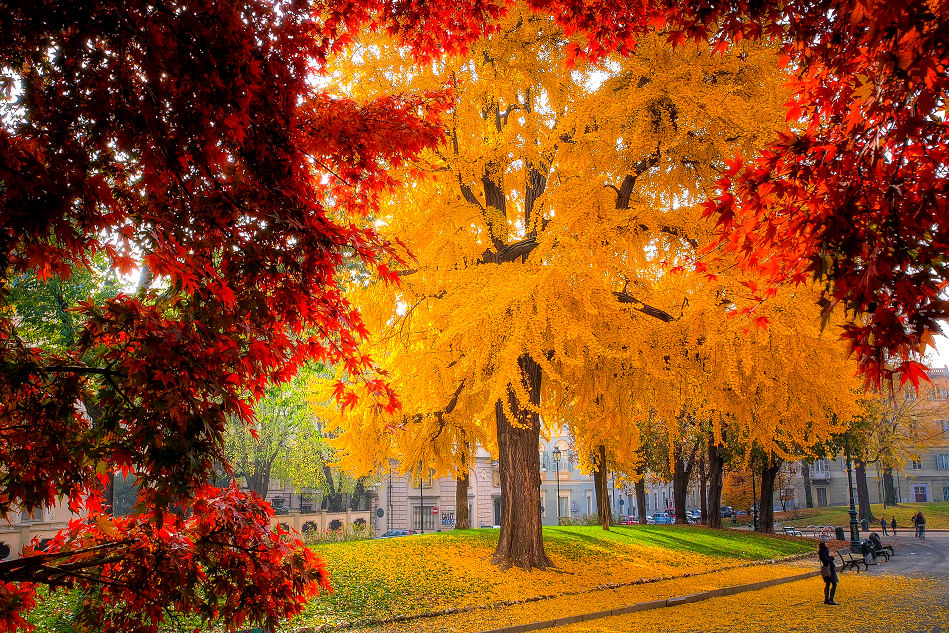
(880, 549)
(851, 560)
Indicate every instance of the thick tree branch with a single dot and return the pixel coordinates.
(662, 315)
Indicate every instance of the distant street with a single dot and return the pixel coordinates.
(918, 558)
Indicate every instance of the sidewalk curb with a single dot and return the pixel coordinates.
(655, 604)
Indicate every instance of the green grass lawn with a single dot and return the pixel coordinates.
(410, 575)
(936, 513)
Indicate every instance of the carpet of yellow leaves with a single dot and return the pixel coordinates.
(588, 602)
(881, 604)
(384, 579)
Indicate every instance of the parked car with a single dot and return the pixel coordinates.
(727, 511)
(660, 518)
(625, 519)
(693, 516)
(392, 533)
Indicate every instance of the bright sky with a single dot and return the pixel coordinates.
(940, 358)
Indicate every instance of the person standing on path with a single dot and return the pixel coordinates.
(921, 526)
(916, 525)
(883, 525)
(828, 571)
(893, 524)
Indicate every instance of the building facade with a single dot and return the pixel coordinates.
(566, 494)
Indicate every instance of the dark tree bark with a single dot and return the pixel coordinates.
(766, 499)
(716, 470)
(332, 499)
(889, 487)
(806, 474)
(462, 521)
(259, 480)
(703, 489)
(110, 495)
(520, 542)
(680, 484)
(863, 491)
(600, 475)
(641, 494)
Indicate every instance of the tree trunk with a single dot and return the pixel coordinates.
(716, 468)
(766, 500)
(703, 490)
(520, 542)
(110, 495)
(889, 487)
(641, 496)
(259, 480)
(806, 474)
(680, 485)
(600, 475)
(863, 491)
(462, 522)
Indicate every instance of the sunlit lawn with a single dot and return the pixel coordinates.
(382, 578)
(410, 575)
(936, 513)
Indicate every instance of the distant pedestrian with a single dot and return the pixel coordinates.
(883, 525)
(828, 571)
(893, 525)
(921, 526)
(916, 525)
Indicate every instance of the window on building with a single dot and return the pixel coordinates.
(942, 461)
(821, 497)
(425, 483)
(428, 518)
(945, 493)
(589, 502)
(565, 506)
(821, 465)
(917, 465)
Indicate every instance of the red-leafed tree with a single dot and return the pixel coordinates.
(188, 135)
(188, 140)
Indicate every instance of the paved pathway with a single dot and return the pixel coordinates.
(917, 558)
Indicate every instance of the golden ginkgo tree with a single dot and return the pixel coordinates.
(539, 244)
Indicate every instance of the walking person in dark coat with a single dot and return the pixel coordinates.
(921, 526)
(828, 571)
(916, 525)
(893, 524)
(883, 525)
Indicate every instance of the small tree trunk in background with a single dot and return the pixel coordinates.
(766, 500)
(716, 471)
(889, 487)
(806, 474)
(110, 495)
(641, 497)
(521, 541)
(600, 475)
(863, 491)
(703, 489)
(680, 485)
(462, 521)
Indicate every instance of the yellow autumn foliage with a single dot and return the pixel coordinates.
(559, 221)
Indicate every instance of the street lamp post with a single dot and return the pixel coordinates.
(557, 477)
(854, 530)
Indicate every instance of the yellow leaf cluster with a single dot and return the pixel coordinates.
(559, 220)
